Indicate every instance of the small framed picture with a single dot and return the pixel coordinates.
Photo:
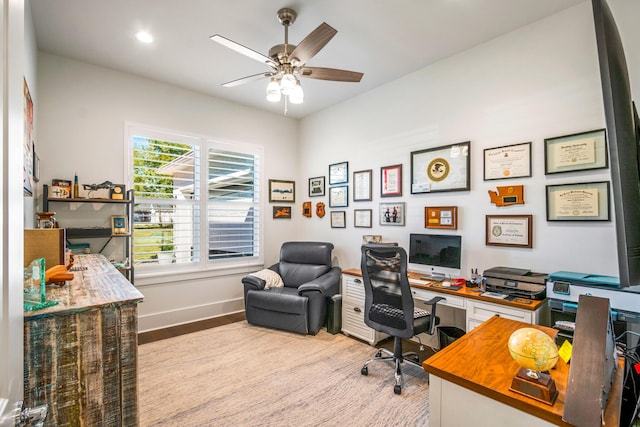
(282, 191)
(577, 152)
(587, 201)
(392, 213)
(362, 218)
(441, 217)
(509, 230)
(316, 186)
(362, 186)
(282, 212)
(339, 196)
(338, 219)
(391, 181)
(119, 224)
(444, 168)
(339, 173)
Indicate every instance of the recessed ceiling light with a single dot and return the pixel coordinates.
(144, 37)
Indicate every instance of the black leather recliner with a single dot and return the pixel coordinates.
(301, 304)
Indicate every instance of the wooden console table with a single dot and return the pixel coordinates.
(475, 372)
(80, 356)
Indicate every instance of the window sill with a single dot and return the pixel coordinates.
(185, 274)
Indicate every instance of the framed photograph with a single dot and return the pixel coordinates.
(338, 219)
(578, 202)
(119, 224)
(339, 196)
(282, 212)
(362, 218)
(444, 168)
(392, 213)
(510, 161)
(362, 186)
(316, 186)
(339, 173)
(27, 179)
(509, 230)
(577, 152)
(391, 181)
(282, 191)
(441, 217)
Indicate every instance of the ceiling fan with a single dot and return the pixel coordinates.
(288, 61)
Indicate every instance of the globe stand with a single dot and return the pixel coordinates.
(534, 384)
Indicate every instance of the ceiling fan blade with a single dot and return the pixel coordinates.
(334, 74)
(312, 44)
(243, 50)
(248, 79)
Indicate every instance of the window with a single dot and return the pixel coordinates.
(196, 200)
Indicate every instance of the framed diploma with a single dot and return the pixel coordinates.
(578, 202)
(282, 191)
(577, 152)
(338, 219)
(443, 168)
(509, 230)
(362, 218)
(339, 173)
(362, 185)
(316, 186)
(339, 196)
(391, 181)
(510, 161)
(441, 217)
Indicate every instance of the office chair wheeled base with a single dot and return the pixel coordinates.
(409, 357)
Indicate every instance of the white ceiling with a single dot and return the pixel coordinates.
(383, 39)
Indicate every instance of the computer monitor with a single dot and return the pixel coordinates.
(435, 255)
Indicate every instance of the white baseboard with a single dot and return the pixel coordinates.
(181, 316)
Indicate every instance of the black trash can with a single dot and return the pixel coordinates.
(448, 334)
(334, 314)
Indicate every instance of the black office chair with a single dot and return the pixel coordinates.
(389, 305)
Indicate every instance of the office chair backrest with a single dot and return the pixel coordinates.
(388, 299)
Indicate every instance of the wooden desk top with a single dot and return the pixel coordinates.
(99, 285)
(464, 292)
(480, 361)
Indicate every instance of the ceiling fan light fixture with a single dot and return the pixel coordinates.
(273, 91)
(297, 96)
(288, 84)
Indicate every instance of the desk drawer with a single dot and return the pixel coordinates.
(451, 300)
(483, 311)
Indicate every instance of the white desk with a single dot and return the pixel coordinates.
(476, 307)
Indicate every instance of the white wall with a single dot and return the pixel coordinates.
(538, 82)
(82, 113)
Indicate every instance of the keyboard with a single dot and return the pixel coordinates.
(494, 295)
(419, 282)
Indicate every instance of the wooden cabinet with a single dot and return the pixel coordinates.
(353, 311)
(101, 226)
(80, 356)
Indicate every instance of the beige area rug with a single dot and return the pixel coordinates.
(244, 375)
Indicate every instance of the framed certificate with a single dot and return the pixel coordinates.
(339, 173)
(391, 181)
(362, 185)
(577, 152)
(578, 202)
(338, 219)
(443, 168)
(510, 161)
(339, 196)
(509, 230)
(362, 218)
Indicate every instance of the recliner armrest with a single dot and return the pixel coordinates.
(253, 282)
(328, 283)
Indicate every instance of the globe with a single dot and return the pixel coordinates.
(533, 349)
